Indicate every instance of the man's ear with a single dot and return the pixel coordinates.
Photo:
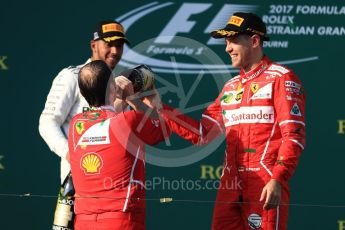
(93, 45)
(256, 41)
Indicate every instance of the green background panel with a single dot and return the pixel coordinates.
(39, 38)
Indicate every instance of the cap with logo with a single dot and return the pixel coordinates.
(242, 23)
(109, 31)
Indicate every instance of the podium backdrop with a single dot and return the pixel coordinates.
(39, 38)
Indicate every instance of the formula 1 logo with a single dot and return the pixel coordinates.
(188, 20)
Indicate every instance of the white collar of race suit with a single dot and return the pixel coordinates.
(103, 107)
(107, 107)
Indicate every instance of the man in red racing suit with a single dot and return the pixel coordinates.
(261, 112)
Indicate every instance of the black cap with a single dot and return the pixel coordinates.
(242, 23)
(109, 31)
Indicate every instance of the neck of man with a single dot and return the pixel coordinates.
(254, 60)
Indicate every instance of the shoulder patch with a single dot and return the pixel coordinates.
(278, 68)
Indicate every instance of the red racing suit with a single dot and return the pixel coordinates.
(261, 114)
(107, 154)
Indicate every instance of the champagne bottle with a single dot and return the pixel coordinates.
(64, 212)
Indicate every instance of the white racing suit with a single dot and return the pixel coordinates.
(63, 102)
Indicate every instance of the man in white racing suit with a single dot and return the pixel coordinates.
(64, 99)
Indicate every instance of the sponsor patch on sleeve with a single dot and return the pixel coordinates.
(295, 110)
(292, 84)
(291, 98)
(294, 90)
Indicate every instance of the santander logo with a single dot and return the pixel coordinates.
(258, 114)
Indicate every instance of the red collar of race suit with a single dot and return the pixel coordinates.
(256, 71)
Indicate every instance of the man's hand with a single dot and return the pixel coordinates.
(153, 101)
(124, 87)
(119, 105)
(271, 193)
(68, 157)
(147, 102)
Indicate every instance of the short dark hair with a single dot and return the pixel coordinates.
(93, 80)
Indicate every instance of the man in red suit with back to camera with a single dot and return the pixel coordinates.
(107, 154)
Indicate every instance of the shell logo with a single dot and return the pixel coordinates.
(91, 163)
